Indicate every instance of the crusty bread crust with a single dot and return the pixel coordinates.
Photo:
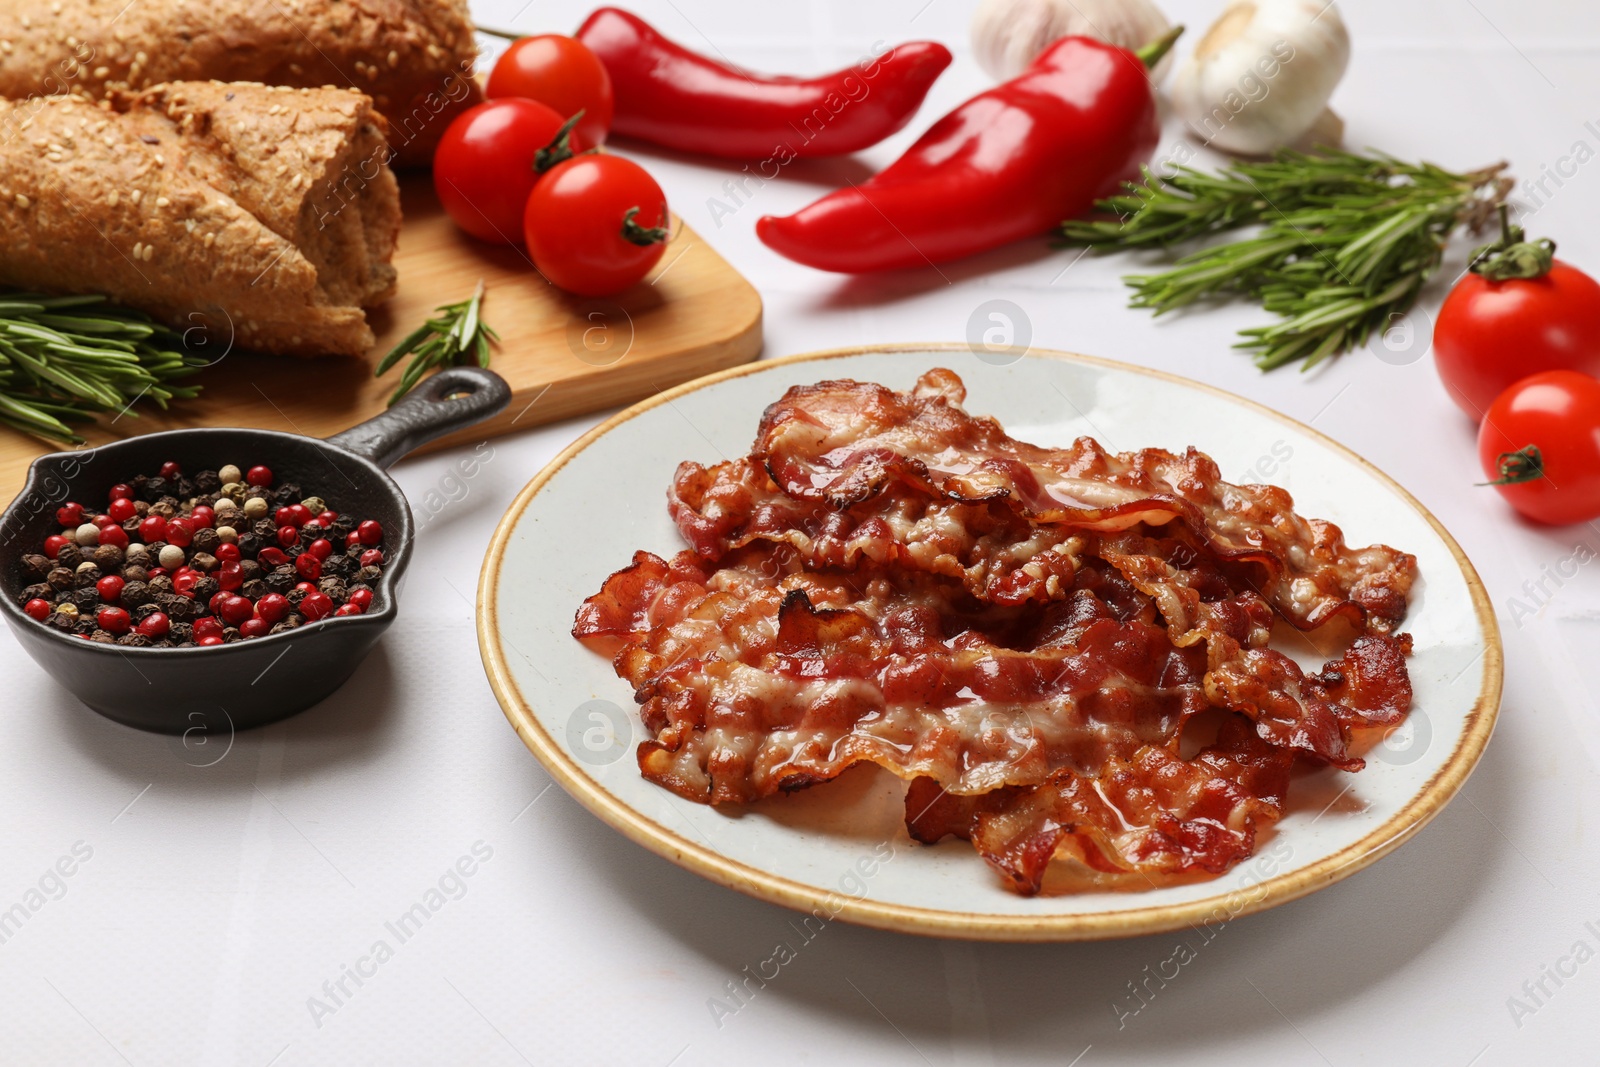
(413, 57)
(263, 214)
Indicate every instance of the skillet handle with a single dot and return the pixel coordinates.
(451, 400)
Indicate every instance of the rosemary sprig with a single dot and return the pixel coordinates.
(456, 337)
(63, 358)
(1345, 241)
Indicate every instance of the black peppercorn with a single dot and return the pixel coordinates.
(36, 591)
(249, 569)
(249, 544)
(135, 573)
(278, 583)
(135, 640)
(368, 575)
(135, 594)
(107, 557)
(60, 578)
(144, 611)
(36, 566)
(161, 583)
(69, 555)
(205, 540)
(255, 589)
(181, 632)
(203, 561)
(102, 637)
(153, 489)
(296, 595)
(207, 482)
(85, 598)
(264, 529)
(206, 587)
(62, 621)
(334, 588)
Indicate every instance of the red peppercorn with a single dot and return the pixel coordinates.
(259, 476)
(316, 606)
(363, 597)
(121, 492)
(109, 588)
(288, 536)
(70, 515)
(270, 557)
(370, 532)
(348, 609)
(154, 625)
(296, 515)
(255, 628)
(235, 609)
(180, 532)
(327, 518)
(52, 545)
(156, 572)
(208, 640)
(183, 580)
(113, 620)
(352, 539)
(37, 609)
(206, 626)
(214, 605)
(103, 521)
(230, 575)
(171, 470)
(309, 566)
(322, 548)
(273, 607)
(305, 587)
(203, 516)
(227, 553)
(114, 535)
(372, 557)
(152, 528)
(121, 510)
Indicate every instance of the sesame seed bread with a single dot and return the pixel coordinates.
(263, 214)
(413, 57)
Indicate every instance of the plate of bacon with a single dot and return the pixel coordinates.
(910, 638)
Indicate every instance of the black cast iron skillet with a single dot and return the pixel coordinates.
(264, 679)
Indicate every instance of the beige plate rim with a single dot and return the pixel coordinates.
(763, 885)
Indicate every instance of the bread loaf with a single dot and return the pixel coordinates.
(413, 57)
(264, 214)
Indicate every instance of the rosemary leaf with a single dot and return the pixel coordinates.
(1343, 242)
(457, 337)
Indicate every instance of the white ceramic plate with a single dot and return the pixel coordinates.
(839, 850)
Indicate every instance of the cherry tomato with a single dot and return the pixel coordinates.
(596, 224)
(561, 73)
(1540, 444)
(487, 163)
(1518, 311)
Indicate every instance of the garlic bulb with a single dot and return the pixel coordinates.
(1261, 77)
(1008, 34)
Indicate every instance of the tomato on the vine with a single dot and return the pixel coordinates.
(596, 224)
(561, 73)
(1517, 312)
(489, 160)
(1540, 446)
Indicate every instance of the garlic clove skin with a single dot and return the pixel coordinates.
(1008, 34)
(1261, 77)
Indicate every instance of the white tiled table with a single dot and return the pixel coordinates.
(215, 902)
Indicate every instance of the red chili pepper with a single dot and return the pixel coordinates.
(1011, 162)
(674, 97)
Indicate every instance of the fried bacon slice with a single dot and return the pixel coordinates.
(751, 688)
(994, 550)
(844, 442)
(1152, 813)
(1022, 634)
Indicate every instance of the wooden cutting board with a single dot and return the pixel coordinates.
(563, 355)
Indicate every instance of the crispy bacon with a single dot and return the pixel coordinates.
(1152, 813)
(1023, 634)
(844, 442)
